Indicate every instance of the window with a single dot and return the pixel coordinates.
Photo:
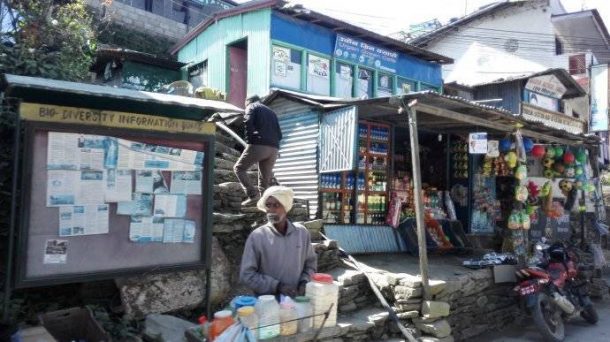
(344, 80)
(148, 5)
(286, 67)
(578, 64)
(385, 85)
(405, 86)
(198, 75)
(364, 87)
(318, 75)
(558, 46)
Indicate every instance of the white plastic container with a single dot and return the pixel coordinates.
(304, 309)
(288, 319)
(247, 316)
(268, 312)
(323, 292)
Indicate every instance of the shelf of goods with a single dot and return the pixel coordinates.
(370, 181)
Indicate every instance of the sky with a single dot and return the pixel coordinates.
(391, 16)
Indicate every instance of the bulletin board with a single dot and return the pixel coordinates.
(108, 194)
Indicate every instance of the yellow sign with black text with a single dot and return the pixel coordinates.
(106, 118)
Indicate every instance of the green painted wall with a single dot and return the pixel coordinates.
(147, 77)
(211, 45)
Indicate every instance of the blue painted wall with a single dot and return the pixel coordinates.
(320, 39)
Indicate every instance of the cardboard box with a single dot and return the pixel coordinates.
(505, 274)
(74, 324)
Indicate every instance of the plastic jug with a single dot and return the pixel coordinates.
(268, 311)
(323, 292)
(241, 301)
(247, 316)
(222, 320)
(288, 319)
(304, 309)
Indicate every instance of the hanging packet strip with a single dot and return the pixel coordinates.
(521, 155)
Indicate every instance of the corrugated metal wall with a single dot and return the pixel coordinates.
(211, 45)
(357, 239)
(297, 165)
(338, 140)
(510, 93)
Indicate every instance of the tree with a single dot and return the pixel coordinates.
(46, 38)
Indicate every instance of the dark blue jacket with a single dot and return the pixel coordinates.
(262, 127)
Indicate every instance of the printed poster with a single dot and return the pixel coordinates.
(140, 156)
(140, 205)
(146, 229)
(83, 220)
(55, 252)
(477, 143)
(186, 182)
(170, 205)
(91, 151)
(92, 187)
(62, 151)
(62, 187)
(179, 230)
(118, 185)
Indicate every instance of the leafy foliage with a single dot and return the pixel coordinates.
(46, 38)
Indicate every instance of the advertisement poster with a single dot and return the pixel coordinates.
(170, 205)
(62, 187)
(140, 205)
(186, 182)
(83, 220)
(179, 230)
(599, 98)
(477, 143)
(118, 185)
(146, 229)
(55, 252)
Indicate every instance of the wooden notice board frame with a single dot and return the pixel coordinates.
(109, 255)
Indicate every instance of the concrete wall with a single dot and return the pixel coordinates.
(138, 19)
(481, 49)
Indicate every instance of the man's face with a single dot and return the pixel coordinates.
(275, 211)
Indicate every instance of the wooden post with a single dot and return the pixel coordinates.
(419, 207)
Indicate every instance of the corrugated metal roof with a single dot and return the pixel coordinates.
(317, 19)
(13, 82)
(498, 119)
(574, 88)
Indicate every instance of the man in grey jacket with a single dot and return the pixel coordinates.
(278, 257)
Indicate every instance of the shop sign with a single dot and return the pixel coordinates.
(599, 98)
(541, 101)
(106, 118)
(551, 119)
(360, 52)
(477, 143)
(548, 85)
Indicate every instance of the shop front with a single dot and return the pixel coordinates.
(487, 176)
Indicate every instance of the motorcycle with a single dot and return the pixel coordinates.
(555, 290)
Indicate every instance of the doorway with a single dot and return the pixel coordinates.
(238, 72)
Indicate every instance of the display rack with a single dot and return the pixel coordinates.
(367, 187)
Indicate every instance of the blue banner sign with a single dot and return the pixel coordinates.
(365, 54)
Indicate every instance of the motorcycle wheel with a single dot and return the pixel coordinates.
(547, 318)
(589, 314)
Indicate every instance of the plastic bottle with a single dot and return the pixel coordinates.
(304, 309)
(268, 311)
(222, 320)
(323, 292)
(242, 301)
(288, 319)
(247, 316)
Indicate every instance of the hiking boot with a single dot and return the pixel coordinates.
(250, 202)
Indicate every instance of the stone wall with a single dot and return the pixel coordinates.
(140, 20)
